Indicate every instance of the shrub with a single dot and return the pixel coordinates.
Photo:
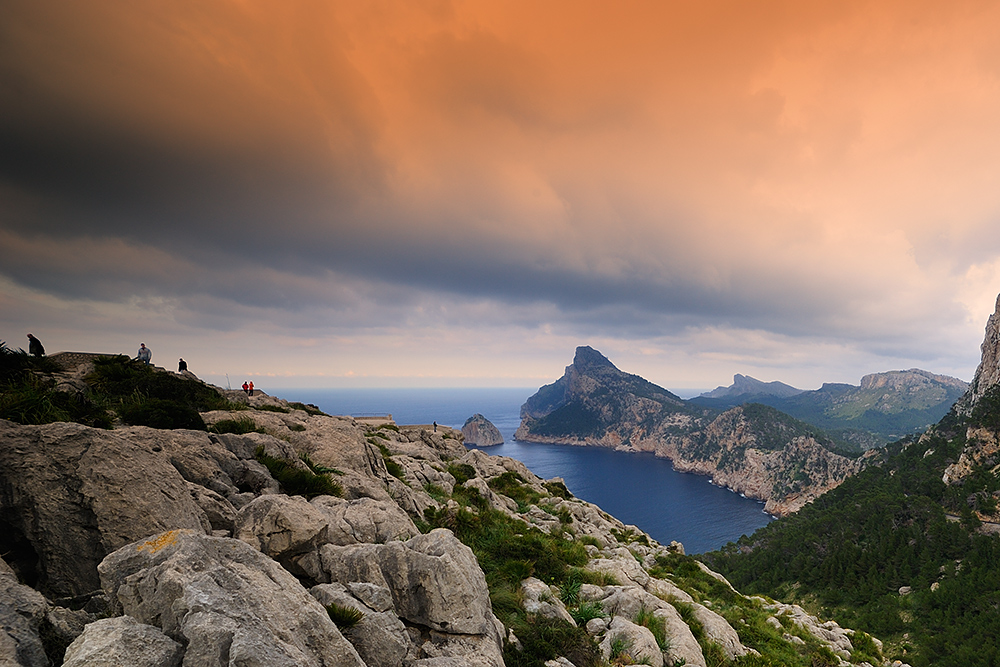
(298, 482)
(298, 428)
(317, 468)
(344, 617)
(462, 472)
(308, 408)
(272, 408)
(586, 612)
(558, 489)
(656, 625)
(238, 426)
(162, 413)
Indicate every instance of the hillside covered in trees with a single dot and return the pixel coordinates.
(907, 550)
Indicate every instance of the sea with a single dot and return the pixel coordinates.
(639, 488)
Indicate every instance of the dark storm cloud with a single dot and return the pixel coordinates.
(629, 174)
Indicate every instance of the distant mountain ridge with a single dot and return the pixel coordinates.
(883, 408)
(744, 385)
(753, 449)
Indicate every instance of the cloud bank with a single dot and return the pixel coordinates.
(462, 193)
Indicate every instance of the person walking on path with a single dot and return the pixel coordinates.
(35, 346)
(145, 354)
(182, 365)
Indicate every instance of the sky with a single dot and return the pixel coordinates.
(382, 193)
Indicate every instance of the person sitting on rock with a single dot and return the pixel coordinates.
(35, 346)
(145, 354)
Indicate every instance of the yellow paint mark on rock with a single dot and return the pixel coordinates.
(158, 542)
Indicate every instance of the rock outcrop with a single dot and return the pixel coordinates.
(988, 372)
(480, 431)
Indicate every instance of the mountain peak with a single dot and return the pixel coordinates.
(744, 385)
(588, 358)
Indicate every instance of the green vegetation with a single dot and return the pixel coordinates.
(307, 408)
(850, 552)
(297, 482)
(238, 426)
(509, 551)
(573, 419)
(344, 617)
(136, 394)
(272, 408)
(27, 394)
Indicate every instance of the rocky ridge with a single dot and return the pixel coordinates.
(752, 449)
(143, 546)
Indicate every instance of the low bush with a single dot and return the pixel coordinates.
(161, 413)
(238, 426)
(344, 617)
(296, 481)
(272, 408)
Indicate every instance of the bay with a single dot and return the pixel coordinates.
(639, 489)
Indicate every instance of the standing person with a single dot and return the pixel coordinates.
(182, 365)
(145, 354)
(35, 346)
(246, 388)
(435, 427)
(251, 387)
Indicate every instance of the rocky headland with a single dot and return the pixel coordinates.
(277, 535)
(752, 449)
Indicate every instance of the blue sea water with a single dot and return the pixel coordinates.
(639, 489)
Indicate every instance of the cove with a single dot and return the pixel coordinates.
(638, 488)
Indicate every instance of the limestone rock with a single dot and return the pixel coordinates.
(380, 637)
(988, 373)
(22, 610)
(639, 643)
(211, 592)
(123, 642)
(480, 431)
(364, 520)
(542, 599)
(435, 579)
(78, 493)
(281, 526)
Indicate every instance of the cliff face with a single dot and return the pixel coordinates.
(752, 449)
(988, 372)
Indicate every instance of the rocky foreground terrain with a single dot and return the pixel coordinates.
(300, 539)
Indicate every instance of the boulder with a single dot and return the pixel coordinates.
(123, 642)
(225, 601)
(435, 580)
(77, 493)
(380, 637)
(480, 431)
(542, 599)
(281, 526)
(364, 520)
(22, 611)
(634, 640)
